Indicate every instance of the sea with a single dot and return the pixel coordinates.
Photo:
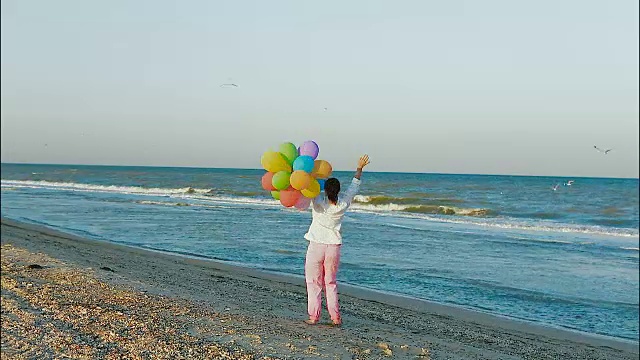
(506, 245)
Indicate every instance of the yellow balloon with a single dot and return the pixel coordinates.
(273, 161)
(300, 179)
(312, 190)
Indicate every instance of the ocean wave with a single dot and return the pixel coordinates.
(101, 188)
(382, 200)
(193, 204)
(612, 210)
(164, 203)
(468, 216)
(244, 193)
(615, 222)
(630, 248)
(448, 210)
(422, 203)
(545, 215)
(417, 199)
(186, 192)
(562, 228)
(422, 209)
(512, 224)
(549, 241)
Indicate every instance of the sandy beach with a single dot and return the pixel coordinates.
(64, 296)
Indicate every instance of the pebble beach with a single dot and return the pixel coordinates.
(68, 297)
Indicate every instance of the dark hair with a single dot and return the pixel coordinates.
(332, 188)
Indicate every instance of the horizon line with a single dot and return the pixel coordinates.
(378, 172)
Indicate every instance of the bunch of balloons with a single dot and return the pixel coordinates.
(294, 175)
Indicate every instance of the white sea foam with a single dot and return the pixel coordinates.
(204, 195)
(512, 224)
(148, 202)
(424, 209)
(100, 188)
(362, 198)
(380, 208)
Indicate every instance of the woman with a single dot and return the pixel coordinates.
(325, 239)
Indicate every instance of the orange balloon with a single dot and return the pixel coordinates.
(300, 179)
(289, 197)
(321, 169)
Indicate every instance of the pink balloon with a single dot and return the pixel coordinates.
(309, 148)
(303, 203)
(266, 181)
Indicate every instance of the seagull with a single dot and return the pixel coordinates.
(556, 187)
(325, 109)
(569, 183)
(228, 85)
(602, 151)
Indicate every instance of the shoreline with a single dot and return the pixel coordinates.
(355, 299)
(364, 293)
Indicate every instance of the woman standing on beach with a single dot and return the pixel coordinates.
(325, 240)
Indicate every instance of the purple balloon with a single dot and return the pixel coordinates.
(309, 148)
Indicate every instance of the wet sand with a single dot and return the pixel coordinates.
(95, 299)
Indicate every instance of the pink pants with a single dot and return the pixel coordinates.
(320, 270)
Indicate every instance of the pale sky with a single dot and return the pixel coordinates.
(496, 86)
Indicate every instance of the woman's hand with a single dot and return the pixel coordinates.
(364, 161)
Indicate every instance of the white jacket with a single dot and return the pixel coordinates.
(327, 217)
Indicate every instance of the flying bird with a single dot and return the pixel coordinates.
(228, 85)
(601, 150)
(569, 183)
(556, 187)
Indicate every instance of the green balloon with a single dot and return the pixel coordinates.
(289, 151)
(276, 194)
(280, 180)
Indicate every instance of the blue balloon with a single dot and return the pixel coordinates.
(304, 163)
(321, 182)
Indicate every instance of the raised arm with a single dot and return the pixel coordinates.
(355, 184)
(364, 161)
